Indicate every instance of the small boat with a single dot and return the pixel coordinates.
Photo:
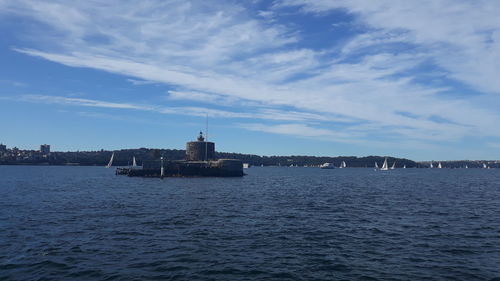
(393, 165)
(343, 165)
(439, 165)
(404, 166)
(431, 166)
(376, 166)
(326, 166)
(126, 170)
(111, 161)
(134, 163)
(385, 166)
(466, 167)
(122, 171)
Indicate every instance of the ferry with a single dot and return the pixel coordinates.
(327, 166)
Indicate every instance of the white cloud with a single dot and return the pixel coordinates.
(79, 102)
(265, 114)
(318, 94)
(140, 82)
(203, 97)
(216, 53)
(292, 129)
(463, 37)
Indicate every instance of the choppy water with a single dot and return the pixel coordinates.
(273, 224)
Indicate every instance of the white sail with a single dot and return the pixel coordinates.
(439, 165)
(432, 166)
(466, 167)
(385, 167)
(393, 165)
(343, 165)
(111, 160)
(404, 166)
(134, 164)
(376, 165)
(484, 166)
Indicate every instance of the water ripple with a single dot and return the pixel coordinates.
(273, 224)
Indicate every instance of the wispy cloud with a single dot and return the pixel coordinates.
(80, 102)
(264, 114)
(219, 55)
(140, 82)
(294, 129)
(460, 36)
(204, 98)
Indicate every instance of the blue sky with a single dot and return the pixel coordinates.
(414, 79)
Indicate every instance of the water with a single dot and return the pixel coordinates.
(273, 224)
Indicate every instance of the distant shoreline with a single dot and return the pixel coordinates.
(124, 157)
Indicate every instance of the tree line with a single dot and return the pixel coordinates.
(124, 157)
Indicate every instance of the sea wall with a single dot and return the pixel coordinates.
(218, 168)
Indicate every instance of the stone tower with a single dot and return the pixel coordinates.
(200, 150)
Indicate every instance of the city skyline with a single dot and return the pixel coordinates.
(412, 79)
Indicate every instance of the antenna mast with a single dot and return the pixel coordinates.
(206, 140)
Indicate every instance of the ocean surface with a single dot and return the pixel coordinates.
(85, 223)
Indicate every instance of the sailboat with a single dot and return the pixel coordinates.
(126, 170)
(466, 167)
(385, 167)
(134, 163)
(484, 166)
(439, 165)
(431, 166)
(343, 165)
(404, 166)
(111, 161)
(393, 165)
(376, 166)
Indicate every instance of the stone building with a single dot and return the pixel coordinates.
(200, 150)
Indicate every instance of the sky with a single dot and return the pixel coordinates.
(413, 79)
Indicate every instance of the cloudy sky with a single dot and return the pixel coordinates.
(415, 79)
